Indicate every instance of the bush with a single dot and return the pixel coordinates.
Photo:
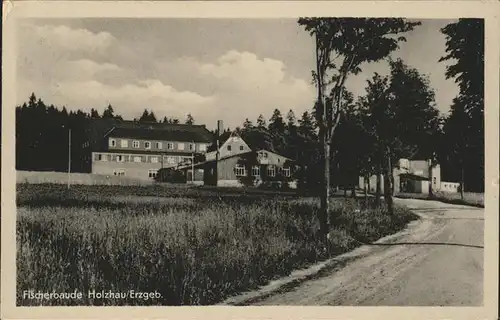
(171, 175)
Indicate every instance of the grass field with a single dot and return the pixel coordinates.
(195, 246)
(38, 177)
(470, 198)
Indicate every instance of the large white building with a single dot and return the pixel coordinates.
(412, 176)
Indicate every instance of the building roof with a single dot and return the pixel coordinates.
(175, 133)
(212, 160)
(105, 149)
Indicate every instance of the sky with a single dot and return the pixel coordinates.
(227, 69)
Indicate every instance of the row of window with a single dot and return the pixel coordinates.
(241, 171)
(121, 172)
(148, 145)
(142, 158)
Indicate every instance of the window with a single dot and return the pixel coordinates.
(434, 180)
(119, 172)
(124, 143)
(152, 173)
(170, 146)
(229, 148)
(170, 160)
(180, 146)
(241, 148)
(286, 172)
(256, 171)
(158, 145)
(271, 171)
(99, 157)
(191, 146)
(147, 145)
(265, 154)
(240, 170)
(203, 147)
(112, 142)
(135, 144)
(154, 160)
(119, 158)
(137, 159)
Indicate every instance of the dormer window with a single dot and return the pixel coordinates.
(158, 145)
(135, 144)
(147, 145)
(203, 147)
(191, 146)
(112, 142)
(170, 146)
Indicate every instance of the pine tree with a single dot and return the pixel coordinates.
(189, 119)
(108, 113)
(261, 122)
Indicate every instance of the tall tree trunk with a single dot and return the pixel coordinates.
(388, 184)
(378, 191)
(462, 183)
(366, 186)
(325, 192)
(393, 183)
(431, 192)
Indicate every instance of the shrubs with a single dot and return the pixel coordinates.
(171, 175)
(470, 198)
(194, 250)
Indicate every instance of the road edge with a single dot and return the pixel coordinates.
(299, 276)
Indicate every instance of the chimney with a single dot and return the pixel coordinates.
(220, 127)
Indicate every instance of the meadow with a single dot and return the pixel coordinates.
(194, 245)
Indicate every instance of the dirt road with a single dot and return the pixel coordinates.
(437, 261)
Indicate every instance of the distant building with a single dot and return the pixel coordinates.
(139, 150)
(412, 176)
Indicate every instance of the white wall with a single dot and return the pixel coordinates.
(449, 186)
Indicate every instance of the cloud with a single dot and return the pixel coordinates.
(248, 86)
(65, 38)
(82, 70)
(128, 100)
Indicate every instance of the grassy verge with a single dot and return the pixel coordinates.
(470, 198)
(193, 246)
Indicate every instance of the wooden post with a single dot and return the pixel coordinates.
(69, 158)
(192, 162)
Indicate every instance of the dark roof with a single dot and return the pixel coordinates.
(165, 132)
(141, 152)
(213, 160)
